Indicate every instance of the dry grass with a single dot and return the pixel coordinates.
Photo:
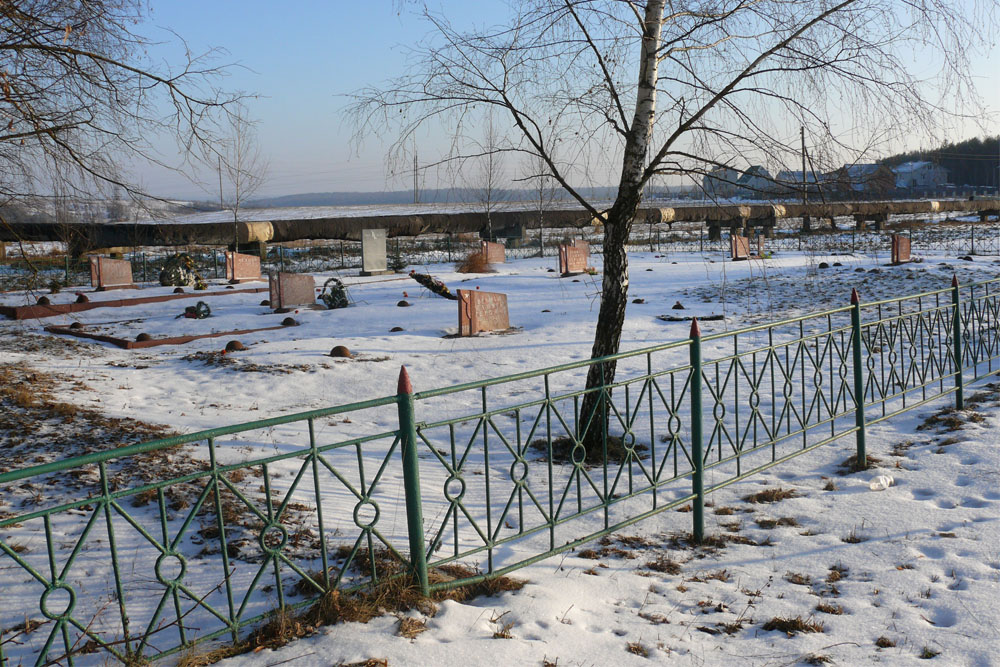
(830, 608)
(664, 564)
(771, 495)
(474, 262)
(410, 627)
(768, 524)
(798, 579)
(830, 485)
(884, 642)
(837, 572)
(793, 626)
(725, 511)
(851, 465)
(637, 649)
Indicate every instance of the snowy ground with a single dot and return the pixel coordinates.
(923, 575)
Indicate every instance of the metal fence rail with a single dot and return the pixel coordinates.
(496, 474)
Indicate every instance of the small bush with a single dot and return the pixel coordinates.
(474, 262)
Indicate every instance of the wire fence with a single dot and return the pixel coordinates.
(450, 485)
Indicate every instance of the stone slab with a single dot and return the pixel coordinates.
(373, 257)
(495, 253)
(127, 344)
(291, 289)
(739, 248)
(107, 273)
(900, 249)
(36, 311)
(241, 267)
(481, 311)
(572, 260)
(580, 243)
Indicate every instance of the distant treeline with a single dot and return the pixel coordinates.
(970, 162)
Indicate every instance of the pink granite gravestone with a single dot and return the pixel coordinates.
(291, 289)
(242, 268)
(493, 252)
(572, 260)
(900, 249)
(481, 311)
(106, 273)
(739, 247)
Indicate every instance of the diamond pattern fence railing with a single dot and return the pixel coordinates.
(101, 559)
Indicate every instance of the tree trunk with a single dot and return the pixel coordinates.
(617, 227)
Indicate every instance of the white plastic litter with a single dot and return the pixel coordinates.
(881, 483)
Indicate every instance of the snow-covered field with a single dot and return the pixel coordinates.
(914, 567)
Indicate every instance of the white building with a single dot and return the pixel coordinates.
(910, 175)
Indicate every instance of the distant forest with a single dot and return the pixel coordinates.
(971, 162)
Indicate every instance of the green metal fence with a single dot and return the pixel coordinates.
(99, 556)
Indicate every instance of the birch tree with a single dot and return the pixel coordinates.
(720, 82)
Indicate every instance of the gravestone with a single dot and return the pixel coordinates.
(493, 252)
(580, 243)
(481, 311)
(739, 248)
(106, 273)
(291, 289)
(572, 260)
(242, 268)
(760, 245)
(900, 249)
(373, 258)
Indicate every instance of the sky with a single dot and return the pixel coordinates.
(301, 60)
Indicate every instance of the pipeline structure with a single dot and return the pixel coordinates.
(82, 237)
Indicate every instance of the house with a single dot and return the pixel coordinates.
(720, 183)
(874, 180)
(789, 183)
(755, 183)
(918, 175)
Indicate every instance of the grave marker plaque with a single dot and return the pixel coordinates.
(739, 247)
(572, 260)
(481, 311)
(900, 249)
(580, 243)
(373, 258)
(106, 273)
(493, 252)
(291, 289)
(242, 268)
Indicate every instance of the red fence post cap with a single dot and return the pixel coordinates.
(404, 386)
(695, 328)
(855, 299)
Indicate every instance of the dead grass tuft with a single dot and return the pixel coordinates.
(817, 659)
(474, 262)
(664, 564)
(829, 608)
(837, 572)
(410, 627)
(637, 649)
(725, 511)
(851, 465)
(798, 579)
(793, 626)
(884, 642)
(771, 495)
(768, 524)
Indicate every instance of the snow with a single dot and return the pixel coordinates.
(926, 572)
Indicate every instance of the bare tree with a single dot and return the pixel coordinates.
(241, 163)
(542, 188)
(717, 81)
(81, 96)
(487, 177)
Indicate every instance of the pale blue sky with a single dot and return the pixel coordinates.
(302, 56)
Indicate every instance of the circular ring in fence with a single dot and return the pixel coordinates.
(912, 351)
(628, 441)
(366, 513)
(578, 454)
(519, 471)
(754, 400)
(719, 411)
(673, 424)
(65, 595)
(786, 390)
(164, 569)
(454, 488)
(842, 372)
(272, 539)
(892, 357)
(871, 364)
(818, 378)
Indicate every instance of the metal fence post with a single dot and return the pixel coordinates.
(411, 479)
(66, 277)
(956, 336)
(281, 257)
(859, 380)
(144, 268)
(215, 263)
(449, 248)
(697, 479)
